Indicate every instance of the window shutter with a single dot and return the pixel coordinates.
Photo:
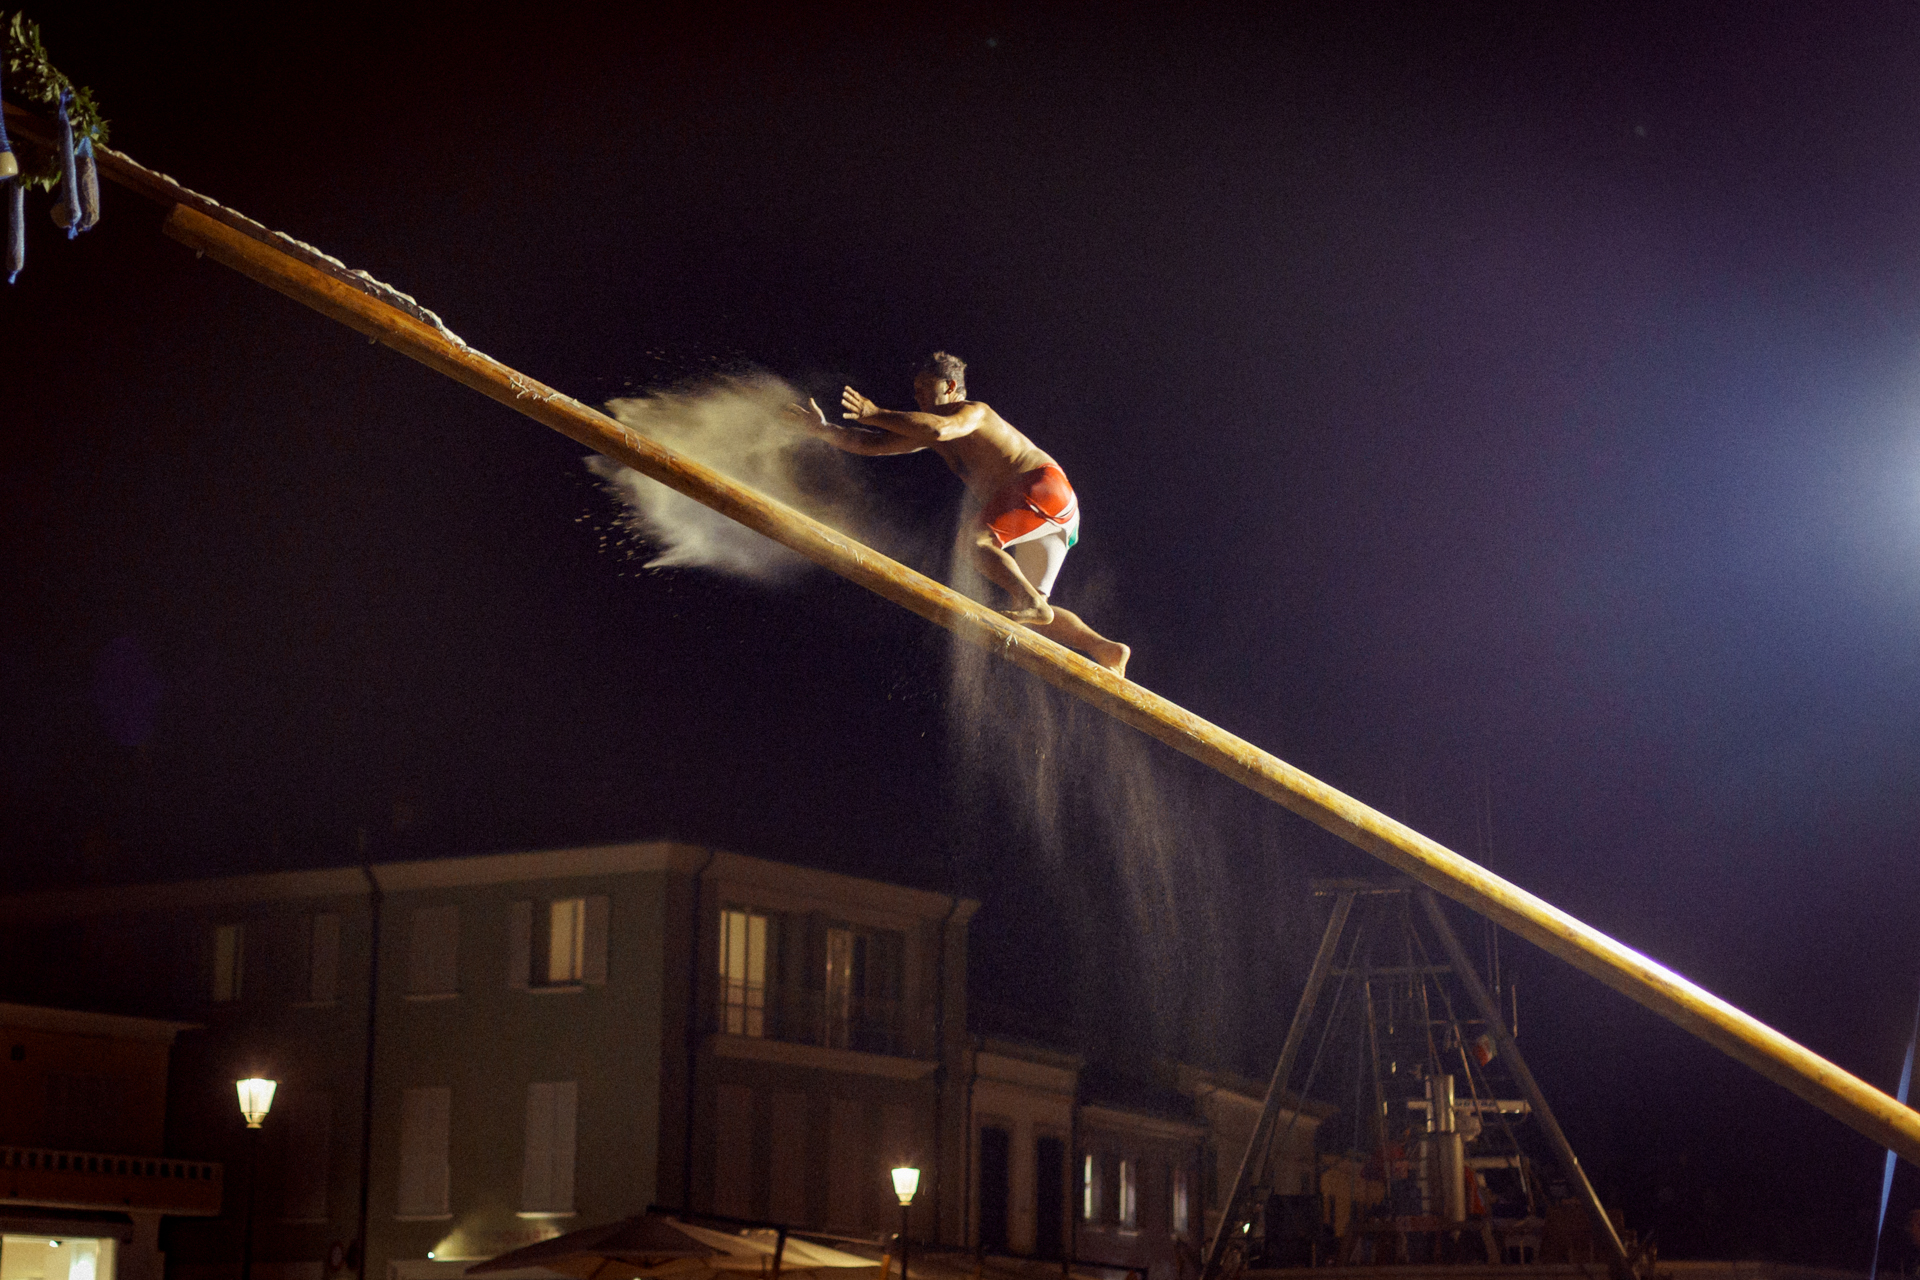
(229, 961)
(849, 1160)
(433, 952)
(594, 965)
(323, 960)
(305, 1132)
(790, 1159)
(566, 1111)
(445, 972)
(536, 1174)
(546, 1178)
(733, 1150)
(520, 944)
(424, 1175)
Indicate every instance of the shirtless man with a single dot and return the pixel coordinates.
(1029, 516)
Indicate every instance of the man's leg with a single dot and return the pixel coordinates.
(1003, 571)
(1068, 629)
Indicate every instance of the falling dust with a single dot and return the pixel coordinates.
(1116, 834)
(738, 426)
(1137, 854)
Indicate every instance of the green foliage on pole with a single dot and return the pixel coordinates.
(32, 77)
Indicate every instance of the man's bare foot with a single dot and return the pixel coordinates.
(1035, 615)
(1113, 656)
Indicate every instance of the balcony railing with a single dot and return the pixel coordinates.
(96, 1180)
(865, 1024)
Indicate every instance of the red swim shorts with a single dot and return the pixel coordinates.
(1030, 502)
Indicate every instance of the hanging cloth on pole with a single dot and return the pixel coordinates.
(66, 211)
(1886, 1179)
(16, 190)
(88, 179)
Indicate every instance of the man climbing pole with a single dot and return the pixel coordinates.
(1028, 518)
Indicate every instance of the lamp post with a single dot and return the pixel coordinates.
(256, 1099)
(906, 1181)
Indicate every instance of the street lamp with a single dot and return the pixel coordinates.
(906, 1181)
(256, 1099)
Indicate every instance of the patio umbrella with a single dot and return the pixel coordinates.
(798, 1256)
(652, 1245)
(644, 1245)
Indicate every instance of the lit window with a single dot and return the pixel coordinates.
(743, 973)
(1129, 1196)
(1180, 1202)
(559, 944)
(1090, 1189)
(229, 955)
(566, 939)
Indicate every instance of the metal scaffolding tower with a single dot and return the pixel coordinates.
(1444, 1105)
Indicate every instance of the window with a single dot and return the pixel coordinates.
(861, 998)
(1090, 1189)
(229, 958)
(1050, 1194)
(546, 1177)
(1129, 1196)
(323, 959)
(425, 1177)
(996, 1145)
(433, 951)
(743, 972)
(1180, 1202)
(57, 1257)
(566, 939)
(559, 944)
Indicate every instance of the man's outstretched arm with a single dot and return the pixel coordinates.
(871, 443)
(925, 428)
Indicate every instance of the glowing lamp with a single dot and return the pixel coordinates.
(256, 1099)
(906, 1181)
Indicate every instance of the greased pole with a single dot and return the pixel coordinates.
(1839, 1093)
(289, 268)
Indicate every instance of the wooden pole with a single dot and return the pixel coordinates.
(1840, 1094)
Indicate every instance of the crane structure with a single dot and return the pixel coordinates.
(1430, 1052)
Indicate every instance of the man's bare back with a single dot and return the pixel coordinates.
(993, 459)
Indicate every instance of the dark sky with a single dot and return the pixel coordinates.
(1516, 403)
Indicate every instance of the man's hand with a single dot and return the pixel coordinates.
(811, 417)
(856, 405)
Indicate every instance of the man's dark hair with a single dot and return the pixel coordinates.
(944, 365)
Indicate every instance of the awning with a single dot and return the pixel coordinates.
(82, 1224)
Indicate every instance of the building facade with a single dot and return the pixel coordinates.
(478, 1053)
(85, 1179)
(475, 1054)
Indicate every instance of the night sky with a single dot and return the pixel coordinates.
(1509, 413)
